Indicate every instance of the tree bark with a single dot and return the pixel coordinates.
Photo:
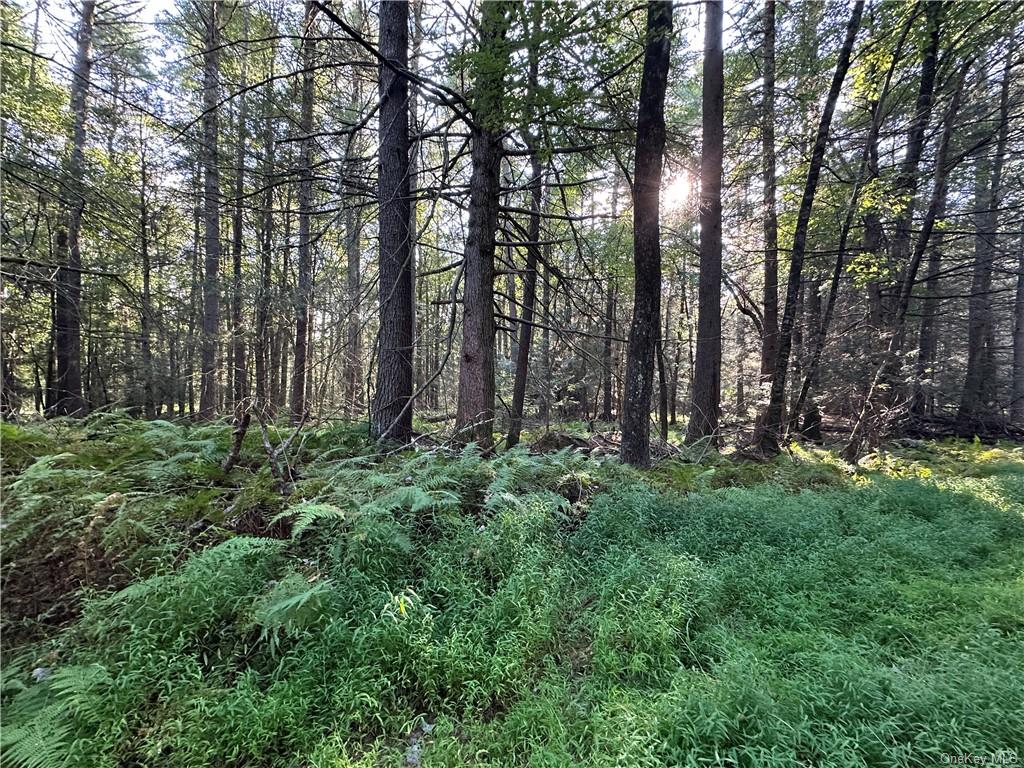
(645, 326)
(907, 182)
(927, 346)
(304, 266)
(529, 299)
(68, 295)
(211, 214)
(770, 309)
(766, 435)
(977, 404)
(146, 313)
(264, 295)
(524, 343)
(608, 364)
(391, 412)
(707, 376)
(353, 325)
(238, 352)
(1017, 401)
(474, 419)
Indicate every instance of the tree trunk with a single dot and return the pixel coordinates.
(391, 412)
(907, 181)
(353, 326)
(820, 331)
(524, 343)
(977, 404)
(474, 417)
(770, 310)
(608, 363)
(211, 213)
(67, 311)
(529, 297)
(264, 295)
(146, 315)
(741, 374)
(304, 267)
(239, 368)
(645, 326)
(544, 411)
(886, 370)
(8, 384)
(707, 376)
(927, 346)
(1017, 401)
(766, 436)
(662, 390)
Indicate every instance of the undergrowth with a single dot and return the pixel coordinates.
(445, 609)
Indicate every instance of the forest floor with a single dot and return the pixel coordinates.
(443, 609)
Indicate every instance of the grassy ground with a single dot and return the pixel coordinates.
(559, 610)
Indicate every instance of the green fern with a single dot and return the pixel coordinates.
(42, 742)
(303, 516)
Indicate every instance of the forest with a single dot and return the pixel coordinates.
(511, 383)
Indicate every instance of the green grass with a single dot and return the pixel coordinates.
(559, 610)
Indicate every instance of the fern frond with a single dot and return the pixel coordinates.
(40, 743)
(305, 515)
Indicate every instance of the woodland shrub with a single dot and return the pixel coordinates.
(548, 610)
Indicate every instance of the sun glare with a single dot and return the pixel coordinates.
(675, 192)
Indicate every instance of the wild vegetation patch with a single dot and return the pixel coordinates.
(447, 609)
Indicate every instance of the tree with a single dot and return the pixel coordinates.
(67, 319)
(391, 413)
(238, 368)
(650, 147)
(474, 418)
(210, 159)
(977, 401)
(1017, 390)
(770, 423)
(304, 272)
(525, 340)
(770, 309)
(707, 375)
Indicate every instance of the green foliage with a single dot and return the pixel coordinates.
(545, 610)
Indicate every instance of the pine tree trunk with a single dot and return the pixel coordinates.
(304, 266)
(650, 147)
(529, 299)
(767, 433)
(211, 213)
(608, 363)
(907, 181)
(545, 344)
(741, 374)
(146, 315)
(474, 417)
(239, 372)
(524, 343)
(391, 411)
(770, 310)
(265, 293)
(927, 346)
(705, 409)
(353, 326)
(662, 391)
(67, 311)
(977, 406)
(1017, 401)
